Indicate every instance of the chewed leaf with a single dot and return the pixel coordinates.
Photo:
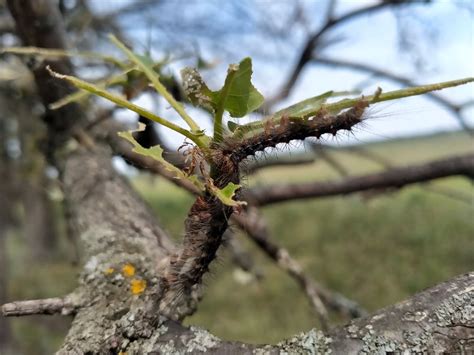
(238, 96)
(80, 95)
(196, 89)
(156, 152)
(226, 194)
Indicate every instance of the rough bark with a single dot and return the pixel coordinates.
(116, 231)
(38, 23)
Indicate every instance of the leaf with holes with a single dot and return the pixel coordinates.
(156, 152)
(238, 96)
(226, 194)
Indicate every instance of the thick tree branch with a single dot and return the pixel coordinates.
(437, 320)
(391, 178)
(47, 33)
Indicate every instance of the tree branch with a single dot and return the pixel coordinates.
(63, 305)
(48, 33)
(311, 43)
(437, 320)
(455, 109)
(391, 178)
(254, 225)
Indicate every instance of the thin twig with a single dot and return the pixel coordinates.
(255, 227)
(57, 305)
(241, 257)
(322, 152)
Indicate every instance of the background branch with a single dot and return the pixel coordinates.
(391, 178)
(311, 44)
(255, 227)
(63, 305)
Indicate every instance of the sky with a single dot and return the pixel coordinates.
(441, 36)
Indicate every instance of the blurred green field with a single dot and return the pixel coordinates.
(375, 250)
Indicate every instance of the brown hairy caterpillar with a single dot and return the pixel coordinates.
(193, 158)
(208, 218)
(290, 128)
(205, 224)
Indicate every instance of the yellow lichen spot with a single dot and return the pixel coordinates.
(122, 353)
(109, 271)
(128, 270)
(137, 286)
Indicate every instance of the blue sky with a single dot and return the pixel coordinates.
(370, 40)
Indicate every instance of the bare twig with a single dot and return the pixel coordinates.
(330, 10)
(391, 178)
(256, 229)
(62, 305)
(386, 163)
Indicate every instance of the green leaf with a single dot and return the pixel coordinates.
(156, 152)
(238, 96)
(143, 63)
(225, 195)
(232, 126)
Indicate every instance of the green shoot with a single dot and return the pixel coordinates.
(154, 78)
(94, 89)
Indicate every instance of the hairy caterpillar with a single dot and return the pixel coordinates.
(295, 129)
(207, 219)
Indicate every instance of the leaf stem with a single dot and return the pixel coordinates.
(336, 107)
(154, 78)
(218, 129)
(59, 53)
(84, 85)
